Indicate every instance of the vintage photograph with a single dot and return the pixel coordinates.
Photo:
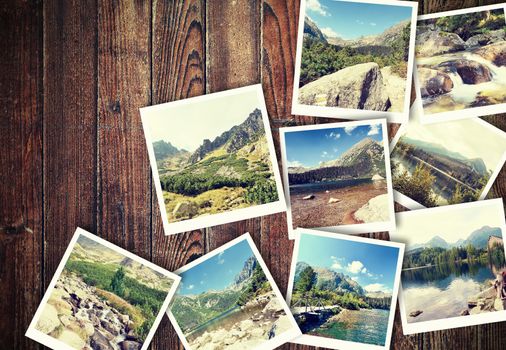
(454, 273)
(102, 297)
(342, 289)
(338, 176)
(213, 159)
(354, 59)
(228, 300)
(445, 163)
(460, 63)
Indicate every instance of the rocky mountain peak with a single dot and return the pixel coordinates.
(246, 272)
(312, 30)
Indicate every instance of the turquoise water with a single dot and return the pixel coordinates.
(364, 326)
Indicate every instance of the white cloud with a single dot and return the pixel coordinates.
(349, 129)
(335, 150)
(191, 286)
(315, 6)
(334, 135)
(336, 266)
(356, 267)
(359, 22)
(372, 24)
(201, 282)
(333, 257)
(374, 129)
(377, 287)
(221, 261)
(294, 163)
(355, 278)
(324, 154)
(329, 32)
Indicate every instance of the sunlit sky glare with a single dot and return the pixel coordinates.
(465, 136)
(217, 272)
(308, 148)
(186, 126)
(351, 20)
(452, 224)
(372, 266)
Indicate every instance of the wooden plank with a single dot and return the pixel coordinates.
(124, 84)
(233, 60)
(178, 66)
(21, 192)
(70, 107)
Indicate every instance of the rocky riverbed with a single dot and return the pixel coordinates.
(77, 316)
(258, 321)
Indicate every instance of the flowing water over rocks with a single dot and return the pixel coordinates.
(77, 316)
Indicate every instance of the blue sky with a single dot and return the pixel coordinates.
(217, 272)
(310, 147)
(372, 266)
(351, 20)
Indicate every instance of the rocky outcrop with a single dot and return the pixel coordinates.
(311, 30)
(234, 139)
(395, 87)
(376, 210)
(485, 301)
(471, 72)
(435, 42)
(486, 38)
(185, 210)
(433, 82)
(246, 272)
(496, 53)
(356, 87)
(76, 315)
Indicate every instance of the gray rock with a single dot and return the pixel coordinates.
(434, 42)
(48, 320)
(130, 345)
(433, 82)
(308, 197)
(415, 313)
(496, 53)
(471, 72)
(356, 87)
(185, 209)
(99, 342)
(486, 38)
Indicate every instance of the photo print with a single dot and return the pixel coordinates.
(445, 163)
(460, 63)
(102, 297)
(228, 300)
(343, 289)
(213, 159)
(355, 59)
(454, 274)
(337, 177)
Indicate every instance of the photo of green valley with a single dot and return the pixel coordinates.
(212, 156)
(103, 300)
(355, 55)
(227, 302)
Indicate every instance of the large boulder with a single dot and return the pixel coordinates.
(496, 53)
(185, 209)
(434, 42)
(356, 87)
(48, 320)
(433, 82)
(72, 339)
(491, 37)
(99, 342)
(471, 72)
(130, 345)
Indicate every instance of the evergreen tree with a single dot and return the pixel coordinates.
(118, 282)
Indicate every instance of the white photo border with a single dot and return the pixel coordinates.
(458, 321)
(411, 204)
(348, 113)
(269, 344)
(351, 228)
(231, 215)
(471, 112)
(54, 343)
(344, 344)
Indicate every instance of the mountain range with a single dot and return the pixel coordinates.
(327, 279)
(385, 39)
(365, 158)
(478, 238)
(194, 310)
(477, 164)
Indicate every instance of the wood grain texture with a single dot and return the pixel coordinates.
(21, 164)
(178, 66)
(70, 124)
(124, 85)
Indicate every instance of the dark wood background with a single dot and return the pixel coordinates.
(73, 74)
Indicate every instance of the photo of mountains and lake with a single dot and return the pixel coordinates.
(212, 155)
(342, 289)
(453, 257)
(446, 163)
(336, 175)
(461, 61)
(103, 299)
(355, 55)
(227, 302)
